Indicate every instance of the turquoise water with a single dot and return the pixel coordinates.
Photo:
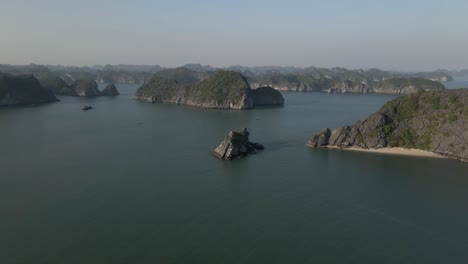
(131, 182)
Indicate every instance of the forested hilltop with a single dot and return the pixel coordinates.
(220, 90)
(435, 121)
(23, 90)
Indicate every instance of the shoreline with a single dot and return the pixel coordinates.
(393, 151)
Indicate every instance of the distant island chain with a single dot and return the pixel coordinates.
(428, 117)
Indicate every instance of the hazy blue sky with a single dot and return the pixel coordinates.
(396, 34)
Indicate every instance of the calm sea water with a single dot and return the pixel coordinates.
(131, 182)
(458, 82)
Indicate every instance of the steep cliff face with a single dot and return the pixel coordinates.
(351, 87)
(390, 86)
(72, 76)
(294, 82)
(85, 88)
(70, 91)
(55, 84)
(406, 86)
(265, 96)
(236, 145)
(23, 89)
(338, 80)
(51, 81)
(435, 121)
(110, 90)
(222, 90)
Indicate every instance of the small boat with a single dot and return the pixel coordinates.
(87, 107)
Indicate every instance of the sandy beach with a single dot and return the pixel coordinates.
(394, 151)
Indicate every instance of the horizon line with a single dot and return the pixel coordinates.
(235, 65)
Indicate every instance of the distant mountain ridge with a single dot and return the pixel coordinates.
(463, 73)
(335, 80)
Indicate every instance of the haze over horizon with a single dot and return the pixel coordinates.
(389, 35)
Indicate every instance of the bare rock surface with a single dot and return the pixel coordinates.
(236, 145)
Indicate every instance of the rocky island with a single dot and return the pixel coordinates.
(389, 86)
(433, 121)
(221, 90)
(110, 90)
(236, 145)
(86, 87)
(266, 96)
(309, 79)
(23, 90)
(51, 82)
(341, 80)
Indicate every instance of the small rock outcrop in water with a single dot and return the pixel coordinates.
(87, 107)
(22, 90)
(110, 90)
(434, 121)
(221, 90)
(236, 145)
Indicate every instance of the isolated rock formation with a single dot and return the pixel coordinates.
(236, 145)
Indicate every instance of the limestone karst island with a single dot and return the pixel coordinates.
(430, 117)
(434, 121)
(234, 132)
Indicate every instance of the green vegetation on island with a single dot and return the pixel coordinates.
(86, 88)
(222, 89)
(435, 121)
(310, 79)
(22, 90)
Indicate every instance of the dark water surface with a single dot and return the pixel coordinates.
(98, 187)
